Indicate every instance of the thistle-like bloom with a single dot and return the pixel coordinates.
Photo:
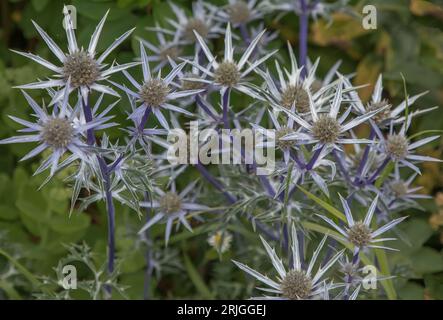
(389, 113)
(154, 93)
(228, 73)
(326, 129)
(82, 67)
(295, 283)
(240, 12)
(360, 233)
(171, 206)
(60, 131)
(399, 193)
(166, 49)
(315, 8)
(293, 89)
(202, 21)
(398, 147)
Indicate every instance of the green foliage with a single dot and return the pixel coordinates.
(35, 227)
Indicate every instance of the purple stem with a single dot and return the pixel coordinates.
(225, 103)
(217, 184)
(364, 158)
(244, 33)
(349, 278)
(108, 194)
(205, 108)
(149, 264)
(341, 165)
(378, 171)
(314, 158)
(144, 119)
(303, 37)
(88, 117)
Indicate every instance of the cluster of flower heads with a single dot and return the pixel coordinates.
(315, 119)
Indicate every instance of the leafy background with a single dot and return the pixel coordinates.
(35, 227)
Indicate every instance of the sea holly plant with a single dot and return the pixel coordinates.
(331, 196)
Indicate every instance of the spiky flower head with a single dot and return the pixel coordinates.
(227, 74)
(198, 25)
(170, 202)
(81, 68)
(399, 188)
(359, 234)
(154, 92)
(188, 83)
(385, 112)
(326, 129)
(57, 132)
(397, 146)
(282, 132)
(296, 285)
(239, 12)
(295, 95)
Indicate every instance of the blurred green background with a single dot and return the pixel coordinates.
(34, 225)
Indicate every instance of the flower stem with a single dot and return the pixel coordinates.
(104, 169)
(314, 158)
(303, 37)
(378, 171)
(364, 158)
(225, 103)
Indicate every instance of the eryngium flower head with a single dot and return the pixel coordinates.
(229, 73)
(82, 67)
(171, 206)
(155, 92)
(397, 146)
(295, 283)
(326, 129)
(295, 95)
(360, 234)
(201, 21)
(61, 131)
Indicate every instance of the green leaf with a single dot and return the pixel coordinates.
(196, 279)
(427, 260)
(323, 204)
(385, 173)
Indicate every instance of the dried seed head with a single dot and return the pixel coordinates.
(296, 285)
(227, 74)
(359, 234)
(191, 85)
(382, 115)
(153, 92)
(326, 129)
(284, 131)
(172, 52)
(399, 188)
(57, 133)
(170, 202)
(239, 12)
(397, 146)
(295, 95)
(199, 26)
(82, 68)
